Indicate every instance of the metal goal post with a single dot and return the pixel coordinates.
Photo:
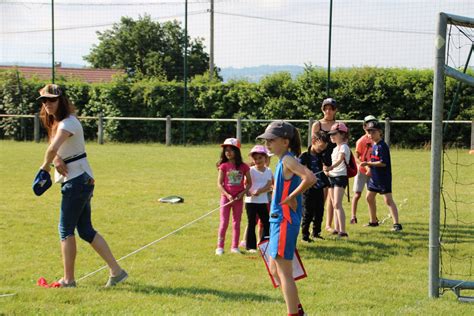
(440, 71)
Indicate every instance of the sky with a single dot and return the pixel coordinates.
(384, 33)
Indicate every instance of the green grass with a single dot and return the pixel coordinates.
(374, 272)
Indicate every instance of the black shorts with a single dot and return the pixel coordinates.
(340, 181)
(379, 189)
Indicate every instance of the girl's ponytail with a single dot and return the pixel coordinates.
(295, 143)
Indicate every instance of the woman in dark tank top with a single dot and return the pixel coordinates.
(329, 109)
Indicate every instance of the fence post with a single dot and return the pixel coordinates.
(168, 130)
(387, 131)
(100, 129)
(37, 128)
(472, 138)
(239, 129)
(310, 130)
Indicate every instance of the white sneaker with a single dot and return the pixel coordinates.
(252, 251)
(235, 250)
(219, 251)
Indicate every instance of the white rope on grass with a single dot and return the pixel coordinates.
(157, 240)
(389, 216)
(7, 295)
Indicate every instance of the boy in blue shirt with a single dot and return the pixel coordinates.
(313, 198)
(381, 177)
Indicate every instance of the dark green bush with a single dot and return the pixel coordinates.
(400, 94)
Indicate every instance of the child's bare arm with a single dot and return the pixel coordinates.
(264, 189)
(248, 185)
(376, 164)
(267, 187)
(340, 159)
(308, 179)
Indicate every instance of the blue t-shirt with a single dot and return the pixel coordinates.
(381, 177)
(281, 190)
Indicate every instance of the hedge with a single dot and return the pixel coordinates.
(401, 94)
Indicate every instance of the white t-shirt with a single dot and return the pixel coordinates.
(259, 180)
(73, 146)
(340, 170)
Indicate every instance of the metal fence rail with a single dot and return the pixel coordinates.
(238, 124)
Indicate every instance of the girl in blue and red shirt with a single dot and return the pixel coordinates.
(291, 179)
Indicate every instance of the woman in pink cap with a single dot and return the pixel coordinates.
(256, 201)
(233, 182)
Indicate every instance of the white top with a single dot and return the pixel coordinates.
(73, 146)
(259, 180)
(340, 170)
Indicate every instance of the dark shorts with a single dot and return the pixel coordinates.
(76, 208)
(379, 189)
(341, 181)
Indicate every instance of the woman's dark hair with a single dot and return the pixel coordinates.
(295, 143)
(238, 156)
(50, 122)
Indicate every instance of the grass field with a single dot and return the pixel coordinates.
(375, 272)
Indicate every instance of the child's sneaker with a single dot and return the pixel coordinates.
(372, 224)
(343, 235)
(307, 239)
(354, 220)
(219, 251)
(397, 227)
(235, 250)
(301, 310)
(252, 250)
(318, 236)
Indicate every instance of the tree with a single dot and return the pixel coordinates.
(145, 48)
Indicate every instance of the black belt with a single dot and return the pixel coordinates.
(74, 158)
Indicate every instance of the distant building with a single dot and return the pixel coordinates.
(90, 75)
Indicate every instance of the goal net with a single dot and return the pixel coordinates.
(451, 244)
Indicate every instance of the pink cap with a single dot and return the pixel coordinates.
(259, 149)
(231, 142)
(338, 127)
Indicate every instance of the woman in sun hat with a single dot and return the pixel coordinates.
(67, 150)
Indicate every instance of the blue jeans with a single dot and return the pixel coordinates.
(76, 208)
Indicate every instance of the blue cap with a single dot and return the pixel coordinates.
(42, 182)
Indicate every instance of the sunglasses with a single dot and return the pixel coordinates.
(46, 100)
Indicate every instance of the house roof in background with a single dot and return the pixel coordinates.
(86, 74)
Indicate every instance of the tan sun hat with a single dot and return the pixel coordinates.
(50, 90)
